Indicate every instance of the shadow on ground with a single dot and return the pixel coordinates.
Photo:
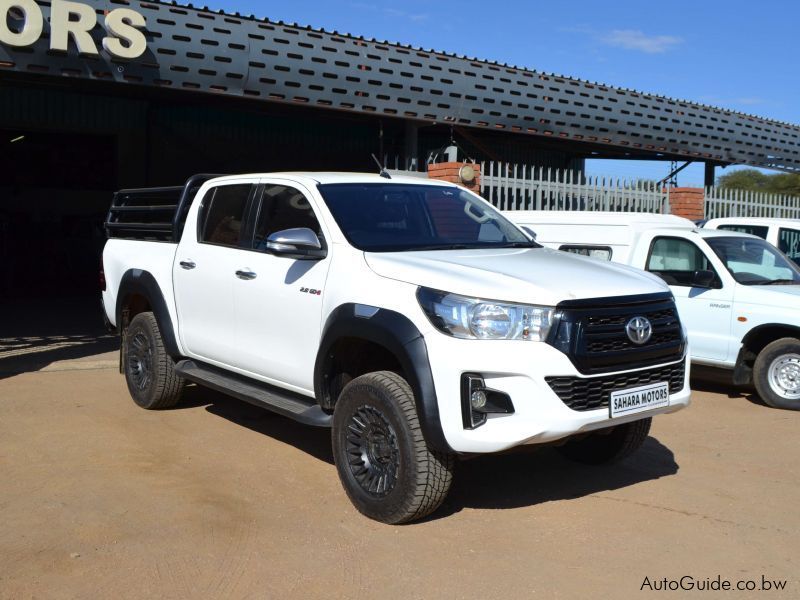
(521, 478)
(34, 335)
(533, 476)
(718, 381)
(314, 441)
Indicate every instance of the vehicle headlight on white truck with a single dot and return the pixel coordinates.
(478, 319)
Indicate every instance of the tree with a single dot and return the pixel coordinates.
(756, 181)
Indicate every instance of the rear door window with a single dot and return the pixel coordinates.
(222, 214)
(676, 261)
(789, 243)
(757, 230)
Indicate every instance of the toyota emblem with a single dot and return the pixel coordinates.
(639, 330)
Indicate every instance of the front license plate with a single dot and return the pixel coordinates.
(639, 399)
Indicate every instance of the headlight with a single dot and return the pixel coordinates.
(476, 319)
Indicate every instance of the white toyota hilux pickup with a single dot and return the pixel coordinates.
(407, 315)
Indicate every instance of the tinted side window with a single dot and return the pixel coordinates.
(758, 230)
(676, 260)
(222, 214)
(282, 208)
(789, 243)
(599, 252)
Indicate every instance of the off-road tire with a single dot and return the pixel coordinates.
(384, 463)
(767, 375)
(149, 370)
(608, 446)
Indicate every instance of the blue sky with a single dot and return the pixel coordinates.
(734, 54)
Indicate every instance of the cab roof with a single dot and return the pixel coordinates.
(763, 221)
(323, 178)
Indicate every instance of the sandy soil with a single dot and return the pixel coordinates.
(218, 499)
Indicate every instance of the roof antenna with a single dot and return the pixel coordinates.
(384, 172)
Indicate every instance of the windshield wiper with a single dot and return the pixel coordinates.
(779, 282)
(440, 247)
(530, 244)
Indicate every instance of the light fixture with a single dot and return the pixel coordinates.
(478, 399)
(17, 139)
(466, 174)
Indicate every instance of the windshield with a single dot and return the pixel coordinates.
(392, 217)
(754, 261)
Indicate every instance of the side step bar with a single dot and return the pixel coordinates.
(283, 402)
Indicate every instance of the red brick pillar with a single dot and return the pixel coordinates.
(451, 171)
(687, 202)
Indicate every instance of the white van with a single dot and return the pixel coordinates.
(784, 234)
(738, 296)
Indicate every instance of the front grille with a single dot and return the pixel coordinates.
(593, 335)
(580, 393)
(622, 319)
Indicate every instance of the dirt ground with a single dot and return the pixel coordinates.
(218, 499)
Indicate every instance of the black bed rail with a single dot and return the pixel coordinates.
(154, 214)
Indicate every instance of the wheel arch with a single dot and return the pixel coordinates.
(138, 292)
(384, 339)
(754, 342)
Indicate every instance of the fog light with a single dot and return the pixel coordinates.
(478, 399)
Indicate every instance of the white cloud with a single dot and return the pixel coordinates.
(750, 100)
(391, 12)
(733, 101)
(633, 39)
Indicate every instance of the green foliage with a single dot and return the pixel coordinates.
(754, 180)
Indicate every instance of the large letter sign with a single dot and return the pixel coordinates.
(31, 31)
(125, 24)
(74, 21)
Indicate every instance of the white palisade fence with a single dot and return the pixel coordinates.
(743, 203)
(516, 187)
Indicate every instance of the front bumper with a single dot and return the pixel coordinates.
(518, 369)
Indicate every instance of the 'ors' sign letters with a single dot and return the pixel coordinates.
(73, 19)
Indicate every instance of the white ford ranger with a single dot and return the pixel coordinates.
(738, 296)
(408, 315)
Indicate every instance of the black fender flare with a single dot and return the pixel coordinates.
(137, 281)
(743, 370)
(398, 335)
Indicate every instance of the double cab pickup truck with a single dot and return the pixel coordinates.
(407, 315)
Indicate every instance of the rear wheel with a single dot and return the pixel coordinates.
(385, 466)
(608, 445)
(776, 374)
(149, 370)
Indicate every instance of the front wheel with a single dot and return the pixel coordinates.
(384, 464)
(608, 445)
(776, 374)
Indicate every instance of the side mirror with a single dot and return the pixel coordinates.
(529, 231)
(703, 279)
(299, 243)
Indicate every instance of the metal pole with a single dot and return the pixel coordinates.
(709, 174)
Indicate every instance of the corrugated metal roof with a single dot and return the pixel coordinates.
(196, 49)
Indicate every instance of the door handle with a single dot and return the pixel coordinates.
(188, 264)
(246, 274)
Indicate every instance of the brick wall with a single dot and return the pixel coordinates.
(687, 202)
(449, 172)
